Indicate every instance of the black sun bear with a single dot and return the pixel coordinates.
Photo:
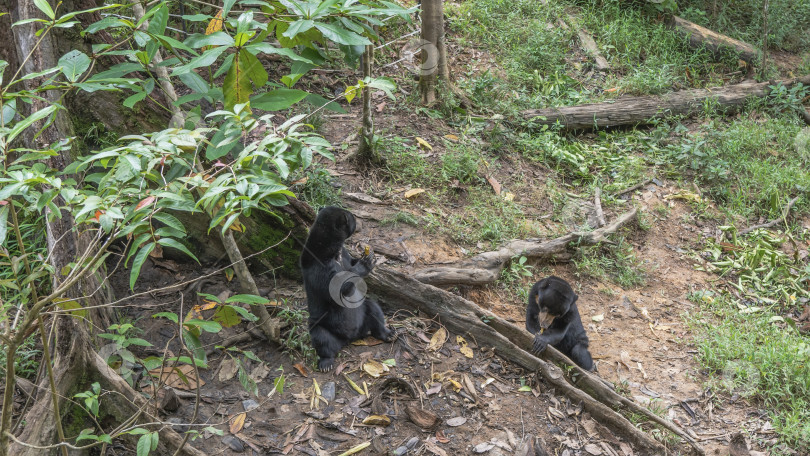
(339, 310)
(552, 316)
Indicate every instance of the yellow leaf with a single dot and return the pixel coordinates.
(508, 196)
(215, 25)
(350, 93)
(238, 422)
(374, 368)
(206, 305)
(466, 351)
(424, 144)
(229, 274)
(377, 420)
(437, 340)
(453, 138)
(413, 192)
(456, 385)
(354, 385)
(317, 388)
(356, 449)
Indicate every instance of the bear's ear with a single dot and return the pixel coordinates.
(351, 223)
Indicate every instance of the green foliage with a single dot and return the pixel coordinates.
(757, 266)
(615, 262)
(745, 164)
(788, 20)
(318, 190)
(758, 354)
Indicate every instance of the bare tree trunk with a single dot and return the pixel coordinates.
(434, 53)
(366, 151)
(764, 65)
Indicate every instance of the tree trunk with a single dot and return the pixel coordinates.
(700, 37)
(366, 151)
(641, 110)
(434, 53)
(396, 290)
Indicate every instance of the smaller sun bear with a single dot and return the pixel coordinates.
(339, 310)
(552, 316)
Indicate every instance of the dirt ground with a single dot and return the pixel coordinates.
(638, 337)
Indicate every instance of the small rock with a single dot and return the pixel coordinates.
(169, 401)
(177, 425)
(328, 391)
(400, 451)
(457, 421)
(249, 404)
(234, 443)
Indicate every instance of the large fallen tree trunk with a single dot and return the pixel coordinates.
(510, 342)
(486, 267)
(700, 37)
(640, 110)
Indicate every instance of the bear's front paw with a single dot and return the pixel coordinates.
(326, 364)
(539, 345)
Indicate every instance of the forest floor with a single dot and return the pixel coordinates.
(462, 180)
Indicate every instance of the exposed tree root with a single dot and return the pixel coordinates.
(485, 268)
(76, 362)
(465, 317)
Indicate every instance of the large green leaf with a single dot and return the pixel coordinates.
(321, 102)
(205, 59)
(140, 258)
(237, 88)
(25, 123)
(340, 35)
(45, 8)
(74, 64)
(278, 99)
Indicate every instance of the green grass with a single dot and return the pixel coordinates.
(318, 190)
(788, 20)
(759, 356)
(749, 166)
(617, 263)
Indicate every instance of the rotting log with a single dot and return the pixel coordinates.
(510, 342)
(641, 110)
(700, 37)
(486, 267)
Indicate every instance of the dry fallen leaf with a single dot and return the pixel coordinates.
(457, 421)
(433, 448)
(453, 138)
(625, 357)
(367, 341)
(237, 422)
(437, 340)
(181, 377)
(463, 348)
(441, 437)
(593, 449)
(495, 184)
(598, 318)
(508, 196)
(301, 369)
(413, 192)
(374, 368)
(420, 417)
(377, 420)
(227, 369)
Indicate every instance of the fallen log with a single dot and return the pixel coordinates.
(510, 342)
(641, 110)
(486, 267)
(700, 37)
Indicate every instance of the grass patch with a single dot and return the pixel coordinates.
(788, 20)
(748, 166)
(318, 189)
(757, 355)
(616, 263)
